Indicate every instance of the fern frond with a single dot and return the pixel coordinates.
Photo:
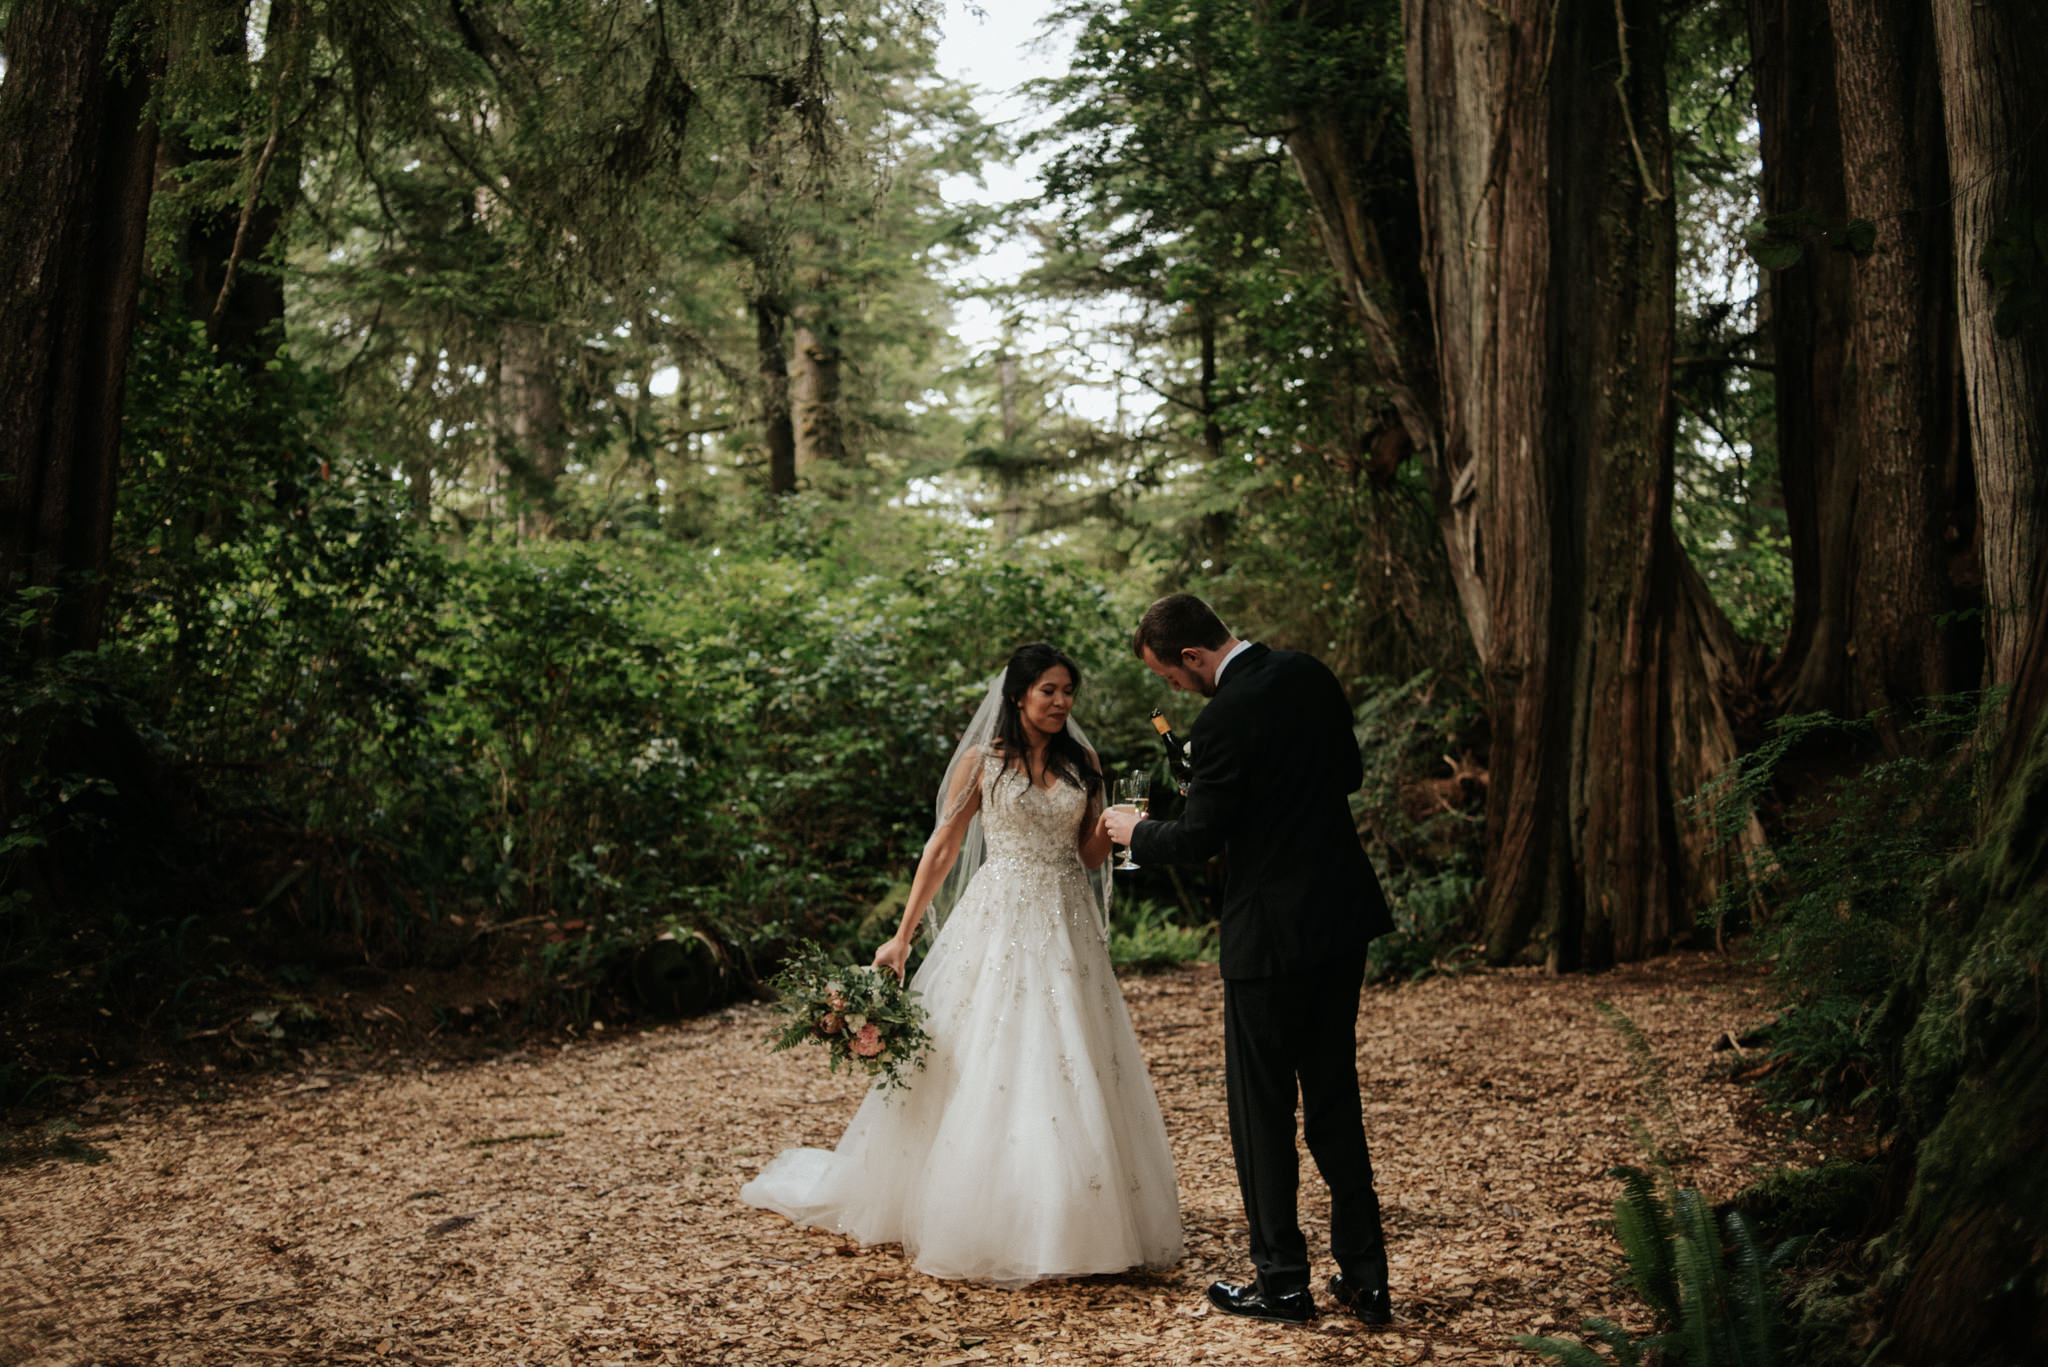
(1787, 1253)
(1642, 1223)
(1628, 1349)
(1565, 1352)
(1755, 1304)
(1696, 1256)
(1664, 1126)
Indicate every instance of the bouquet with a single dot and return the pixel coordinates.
(863, 1016)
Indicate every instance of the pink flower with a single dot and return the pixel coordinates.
(835, 1001)
(829, 1023)
(868, 1042)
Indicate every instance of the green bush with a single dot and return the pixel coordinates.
(1847, 879)
(1145, 936)
(1423, 824)
(664, 758)
(1714, 1294)
(1711, 1288)
(1432, 926)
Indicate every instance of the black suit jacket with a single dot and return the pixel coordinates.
(1275, 762)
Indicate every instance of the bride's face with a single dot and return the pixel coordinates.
(1047, 702)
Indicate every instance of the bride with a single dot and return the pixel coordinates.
(1031, 1145)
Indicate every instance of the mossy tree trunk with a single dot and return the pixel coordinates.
(816, 394)
(771, 324)
(1970, 1253)
(77, 169)
(533, 422)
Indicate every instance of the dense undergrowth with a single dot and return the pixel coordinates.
(320, 745)
(1906, 978)
(314, 735)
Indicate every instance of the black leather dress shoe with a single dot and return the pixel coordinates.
(1370, 1303)
(1296, 1307)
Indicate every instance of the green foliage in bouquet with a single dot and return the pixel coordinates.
(863, 1016)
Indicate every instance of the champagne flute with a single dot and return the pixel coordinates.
(1128, 800)
(1133, 793)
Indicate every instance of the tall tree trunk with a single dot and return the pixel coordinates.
(535, 429)
(1808, 308)
(1907, 513)
(1356, 169)
(1010, 508)
(1992, 61)
(1612, 273)
(770, 320)
(1215, 525)
(77, 164)
(1481, 127)
(819, 420)
(227, 283)
(1974, 1233)
(1542, 155)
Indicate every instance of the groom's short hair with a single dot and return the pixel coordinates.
(1177, 622)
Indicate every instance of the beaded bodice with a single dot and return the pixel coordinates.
(1027, 824)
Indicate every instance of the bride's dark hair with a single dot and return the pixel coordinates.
(1064, 755)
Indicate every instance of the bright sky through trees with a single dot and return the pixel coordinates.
(996, 50)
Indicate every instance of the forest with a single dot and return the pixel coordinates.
(496, 498)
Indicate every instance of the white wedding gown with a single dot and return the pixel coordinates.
(1030, 1145)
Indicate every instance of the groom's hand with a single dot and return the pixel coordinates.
(1120, 822)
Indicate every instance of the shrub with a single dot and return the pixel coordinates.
(1712, 1289)
(1848, 878)
(1144, 936)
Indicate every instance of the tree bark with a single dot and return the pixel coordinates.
(1992, 60)
(1613, 274)
(816, 394)
(1975, 1087)
(1481, 121)
(535, 428)
(1216, 524)
(77, 163)
(778, 429)
(1542, 153)
(1355, 169)
(1908, 514)
(1808, 311)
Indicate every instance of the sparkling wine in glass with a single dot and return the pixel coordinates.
(1131, 800)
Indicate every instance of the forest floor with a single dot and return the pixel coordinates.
(576, 1201)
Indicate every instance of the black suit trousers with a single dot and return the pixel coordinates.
(1280, 1032)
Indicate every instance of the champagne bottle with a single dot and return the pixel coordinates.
(1177, 761)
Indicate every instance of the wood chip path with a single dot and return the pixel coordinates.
(575, 1202)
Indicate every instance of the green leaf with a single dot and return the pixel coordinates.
(1860, 237)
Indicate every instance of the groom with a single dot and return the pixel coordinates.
(1274, 761)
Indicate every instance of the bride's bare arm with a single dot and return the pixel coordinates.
(941, 852)
(1095, 842)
